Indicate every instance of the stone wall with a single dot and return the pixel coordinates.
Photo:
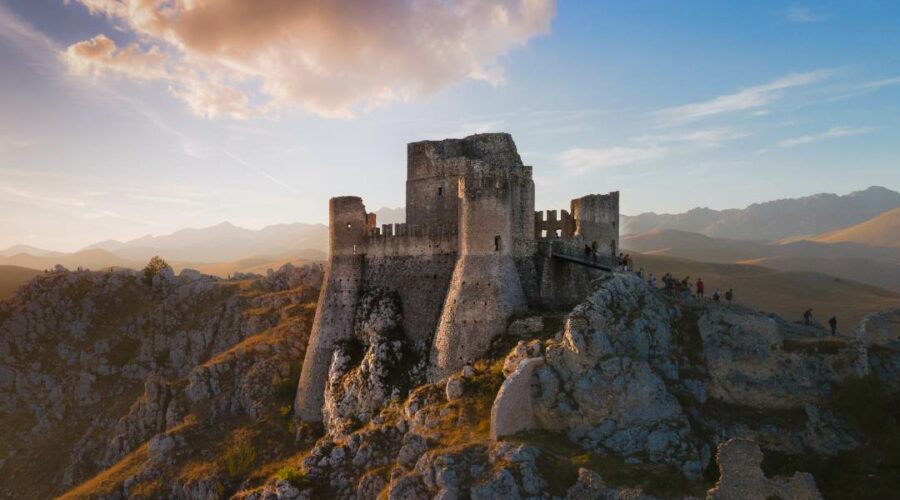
(421, 281)
(552, 224)
(485, 289)
(597, 219)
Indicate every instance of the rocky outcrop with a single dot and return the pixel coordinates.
(632, 373)
(95, 364)
(742, 479)
(512, 410)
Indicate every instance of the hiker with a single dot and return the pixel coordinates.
(832, 322)
(700, 287)
(651, 280)
(716, 295)
(807, 316)
(587, 252)
(627, 261)
(729, 295)
(594, 250)
(641, 273)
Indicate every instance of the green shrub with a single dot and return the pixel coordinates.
(297, 478)
(239, 458)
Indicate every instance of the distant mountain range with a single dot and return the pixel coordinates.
(856, 236)
(857, 261)
(222, 242)
(774, 220)
(882, 230)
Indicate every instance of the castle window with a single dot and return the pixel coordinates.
(558, 233)
(441, 191)
(497, 243)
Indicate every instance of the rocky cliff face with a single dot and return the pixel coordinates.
(93, 365)
(630, 395)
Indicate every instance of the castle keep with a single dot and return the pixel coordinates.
(472, 254)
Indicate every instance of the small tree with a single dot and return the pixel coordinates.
(154, 267)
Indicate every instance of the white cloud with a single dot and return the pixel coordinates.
(799, 14)
(100, 55)
(831, 133)
(752, 98)
(235, 58)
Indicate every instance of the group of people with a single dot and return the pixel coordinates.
(808, 321)
(682, 287)
(624, 261)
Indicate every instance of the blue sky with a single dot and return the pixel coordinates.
(675, 104)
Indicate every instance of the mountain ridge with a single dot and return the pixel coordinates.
(774, 220)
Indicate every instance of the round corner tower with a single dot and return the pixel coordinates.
(335, 311)
(485, 289)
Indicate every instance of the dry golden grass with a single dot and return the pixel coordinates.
(881, 231)
(787, 294)
(12, 277)
(109, 479)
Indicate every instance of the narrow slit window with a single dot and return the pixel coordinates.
(441, 191)
(497, 243)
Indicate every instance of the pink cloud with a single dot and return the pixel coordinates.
(330, 58)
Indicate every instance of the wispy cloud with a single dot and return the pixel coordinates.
(704, 138)
(40, 199)
(8, 143)
(261, 172)
(866, 87)
(751, 98)
(800, 14)
(581, 160)
(646, 148)
(16, 30)
(831, 133)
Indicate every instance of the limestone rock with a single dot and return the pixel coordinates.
(742, 479)
(512, 411)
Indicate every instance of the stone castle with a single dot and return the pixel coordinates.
(472, 254)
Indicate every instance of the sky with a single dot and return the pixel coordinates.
(122, 118)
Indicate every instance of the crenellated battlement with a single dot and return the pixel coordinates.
(404, 240)
(551, 224)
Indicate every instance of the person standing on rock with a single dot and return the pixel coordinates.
(807, 316)
(729, 295)
(832, 322)
(700, 287)
(716, 295)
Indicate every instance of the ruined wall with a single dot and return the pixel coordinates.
(485, 289)
(597, 219)
(417, 267)
(546, 224)
(336, 308)
(434, 168)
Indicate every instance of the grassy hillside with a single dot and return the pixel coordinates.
(882, 231)
(12, 277)
(876, 266)
(785, 293)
